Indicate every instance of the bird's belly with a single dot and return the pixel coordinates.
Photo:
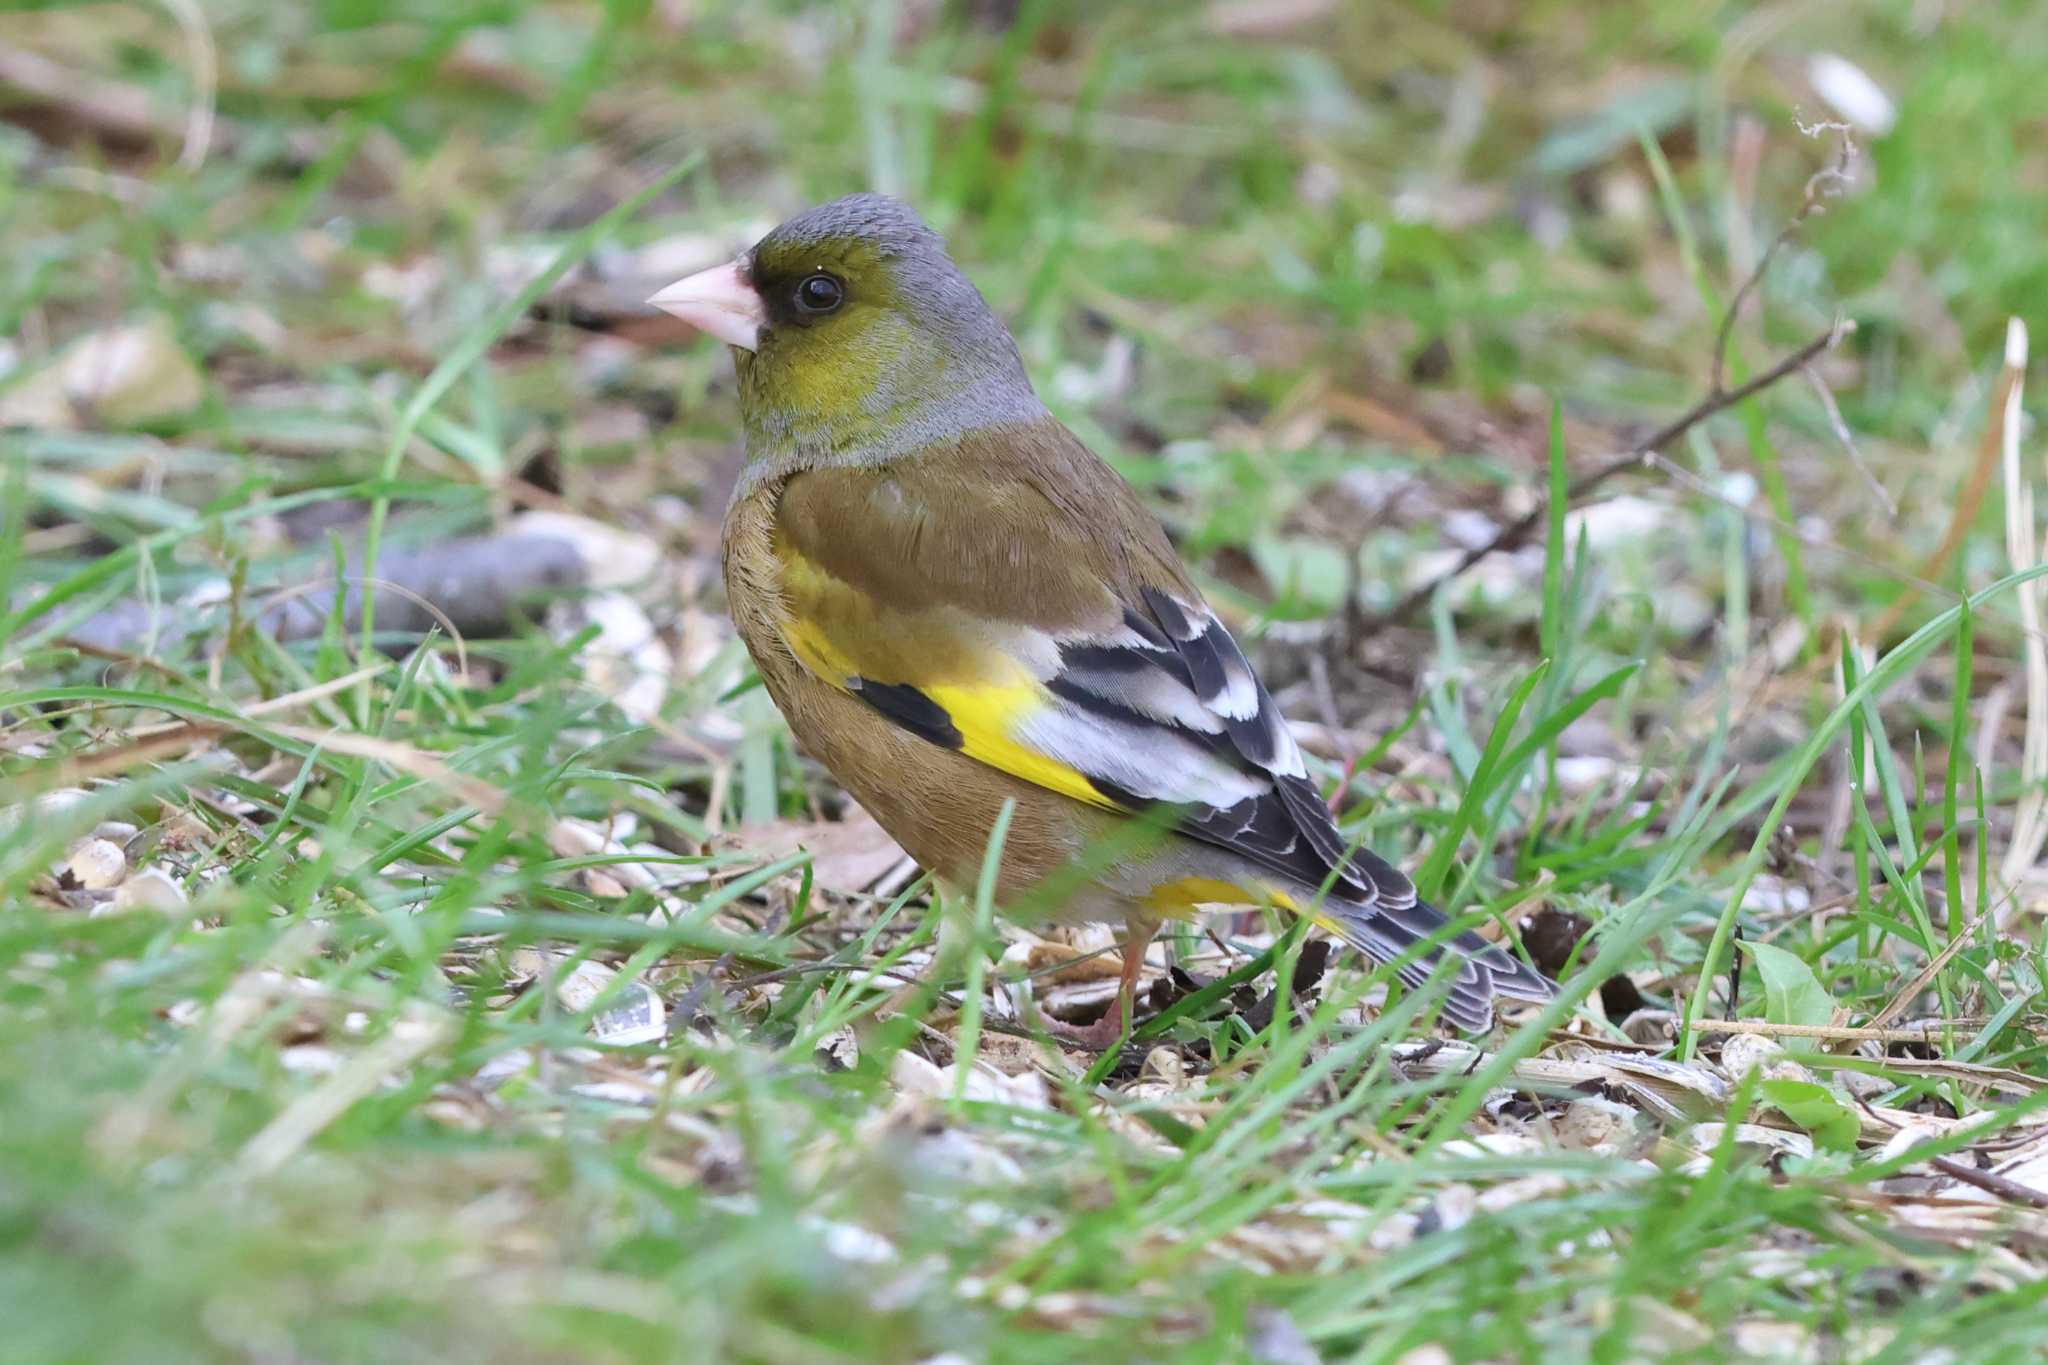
(1062, 863)
(940, 805)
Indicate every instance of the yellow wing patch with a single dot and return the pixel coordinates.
(839, 633)
(986, 718)
(1179, 899)
(814, 650)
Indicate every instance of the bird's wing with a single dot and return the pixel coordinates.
(1029, 613)
(1035, 618)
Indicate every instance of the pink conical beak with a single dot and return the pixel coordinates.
(719, 302)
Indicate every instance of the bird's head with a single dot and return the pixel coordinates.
(855, 337)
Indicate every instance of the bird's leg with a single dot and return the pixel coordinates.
(1104, 1032)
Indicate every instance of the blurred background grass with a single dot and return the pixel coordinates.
(1203, 221)
(1309, 272)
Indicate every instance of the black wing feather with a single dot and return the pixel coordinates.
(909, 708)
(1284, 829)
(1289, 830)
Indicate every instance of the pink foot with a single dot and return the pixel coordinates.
(1099, 1036)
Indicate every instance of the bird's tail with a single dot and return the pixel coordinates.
(1393, 932)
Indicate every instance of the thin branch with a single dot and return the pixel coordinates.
(1718, 376)
(1823, 185)
(1906, 994)
(205, 81)
(1837, 1033)
(1841, 428)
(1991, 1182)
(1715, 401)
(119, 111)
(1962, 512)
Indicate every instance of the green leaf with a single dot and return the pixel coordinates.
(1309, 576)
(1791, 994)
(1551, 624)
(1819, 1110)
(1485, 773)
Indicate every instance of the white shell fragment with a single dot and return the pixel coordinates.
(1747, 1052)
(637, 1016)
(1851, 93)
(1706, 1137)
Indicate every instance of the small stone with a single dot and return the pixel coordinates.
(1272, 1338)
(1593, 1124)
(1743, 1053)
(616, 558)
(150, 889)
(1769, 895)
(56, 802)
(310, 1059)
(1392, 1233)
(1428, 1354)
(1455, 1204)
(97, 864)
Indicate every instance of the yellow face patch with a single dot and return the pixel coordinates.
(827, 372)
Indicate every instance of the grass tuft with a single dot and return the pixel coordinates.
(491, 978)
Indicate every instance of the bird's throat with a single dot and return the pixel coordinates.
(898, 400)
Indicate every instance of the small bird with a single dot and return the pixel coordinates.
(956, 605)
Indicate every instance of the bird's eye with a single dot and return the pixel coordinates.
(819, 293)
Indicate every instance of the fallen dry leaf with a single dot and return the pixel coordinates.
(847, 856)
(127, 374)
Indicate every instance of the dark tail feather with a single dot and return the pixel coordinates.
(1384, 934)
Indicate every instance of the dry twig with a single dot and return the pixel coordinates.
(1715, 401)
(2023, 549)
(120, 112)
(1962, 515)
(473, 586)
(1990, 1182)
(1830, 1032)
